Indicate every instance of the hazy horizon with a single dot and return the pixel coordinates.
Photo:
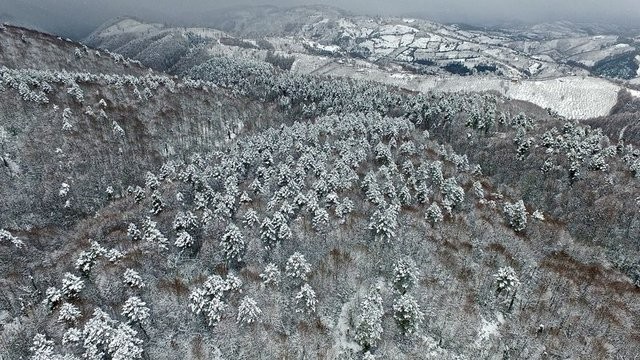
(77, 18)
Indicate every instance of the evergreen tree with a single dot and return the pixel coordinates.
(368, 328)
(157, 203)
(306, 299)
(271, 275)
(516, 214)
(384, 222)
(135, 310)
(248, 311)
(132, 279)
(405, 275)
(407, 313)
(69, 313)
(72, 285)
(124, 345)
(232, 243)
(434, 214)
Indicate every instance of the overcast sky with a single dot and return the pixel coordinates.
(78, 17)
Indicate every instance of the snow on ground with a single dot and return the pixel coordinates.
(489, 329)
(327, 48)
(397, 30)
(578, 97)
(342, 329)
(573, 97)
(638, 62)
(307, 64)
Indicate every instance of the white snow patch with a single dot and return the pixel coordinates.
(397, 30)
(401, 76)
(572, 97)
(489, 329)
(406, 39)
(328, 48)
(420, 43)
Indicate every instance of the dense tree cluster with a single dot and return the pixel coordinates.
(262, 222)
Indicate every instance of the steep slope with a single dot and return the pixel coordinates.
(28, 49)
(92, 131)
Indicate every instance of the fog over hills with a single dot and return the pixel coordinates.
(76, 18)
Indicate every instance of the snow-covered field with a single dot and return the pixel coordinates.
(577, 97)
(573, 97)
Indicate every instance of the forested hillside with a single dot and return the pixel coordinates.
(247, 212)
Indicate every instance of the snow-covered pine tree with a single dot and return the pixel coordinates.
(384, 221)
(453, 193)
(151, 181)
(124, 345)
(152, 234)
(251, 218)
(516, 215)
(320, 219)
(232, 243)
(135, 310)
(72, 336)
(133, 279)
(71, 285)
(297, 267)
(434, 214)
(405, 275)
(507, 283)
(157, 203)
(185, 221)
(268, 233)
(344, 208)
(210, 298)
(368, 326)
(69, 313)
(87, 259)
(52, 297)
(184, 240)
(42, 349)
(248, 311)
(407, 313)
(306, 299)
(271, 275)
(138, 194)
(133, 232)
(506, 280)
(66, 119)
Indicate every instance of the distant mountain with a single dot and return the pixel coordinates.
(524, 63)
